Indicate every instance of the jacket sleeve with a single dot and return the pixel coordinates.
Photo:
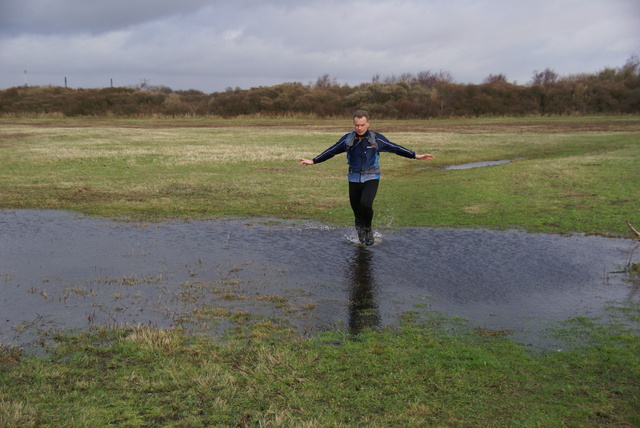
(384, 145)
(336, 149)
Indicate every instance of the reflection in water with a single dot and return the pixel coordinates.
(363, 306)
(58, 271)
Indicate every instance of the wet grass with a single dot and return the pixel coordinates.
(578, 175)
(575, 175)
(265, 375)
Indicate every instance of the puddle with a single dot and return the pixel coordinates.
(477, 164)
(472, 165)
(59, 272)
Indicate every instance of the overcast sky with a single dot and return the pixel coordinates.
(211, 45)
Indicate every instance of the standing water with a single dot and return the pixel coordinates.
(59, 271)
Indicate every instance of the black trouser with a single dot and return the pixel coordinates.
(361, 196)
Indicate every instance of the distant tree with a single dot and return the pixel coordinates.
(633, 64)
(544, 77)
(494, 78)
(428, 78)
(390, 80)
(407, 77)
(325, 81)
(610, 75)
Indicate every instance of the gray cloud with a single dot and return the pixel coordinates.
(78, 16)
(209, 44)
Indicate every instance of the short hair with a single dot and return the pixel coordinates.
(361, 113)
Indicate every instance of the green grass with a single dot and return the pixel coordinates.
(577, 175)
(574, 175)
(265, 375)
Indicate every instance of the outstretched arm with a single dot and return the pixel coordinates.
(305, 162)
(385, 145)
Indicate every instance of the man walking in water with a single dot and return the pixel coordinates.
(363, 148)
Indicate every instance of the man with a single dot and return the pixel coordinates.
(363, 147)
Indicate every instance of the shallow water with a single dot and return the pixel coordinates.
(59, 271)
(476, 164)
(471, 165)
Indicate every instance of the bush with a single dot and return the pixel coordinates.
(427, 95)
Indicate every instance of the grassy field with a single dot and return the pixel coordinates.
(571, 175)
(266, 376)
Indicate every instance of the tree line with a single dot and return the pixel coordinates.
(408, 96)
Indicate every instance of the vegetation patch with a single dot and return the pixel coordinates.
(574, 174)
(425, 95)
(263, 374)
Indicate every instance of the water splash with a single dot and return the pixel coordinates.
(59, 271)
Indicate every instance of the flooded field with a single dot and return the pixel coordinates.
(59, 271)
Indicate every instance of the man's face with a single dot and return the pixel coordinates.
(361, 124)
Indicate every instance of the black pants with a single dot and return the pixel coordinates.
(361, 196)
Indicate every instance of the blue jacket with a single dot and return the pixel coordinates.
(363, 154)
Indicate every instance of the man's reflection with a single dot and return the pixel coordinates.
(363, 308)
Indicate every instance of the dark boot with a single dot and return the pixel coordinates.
(361, 233)
(368, 236)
